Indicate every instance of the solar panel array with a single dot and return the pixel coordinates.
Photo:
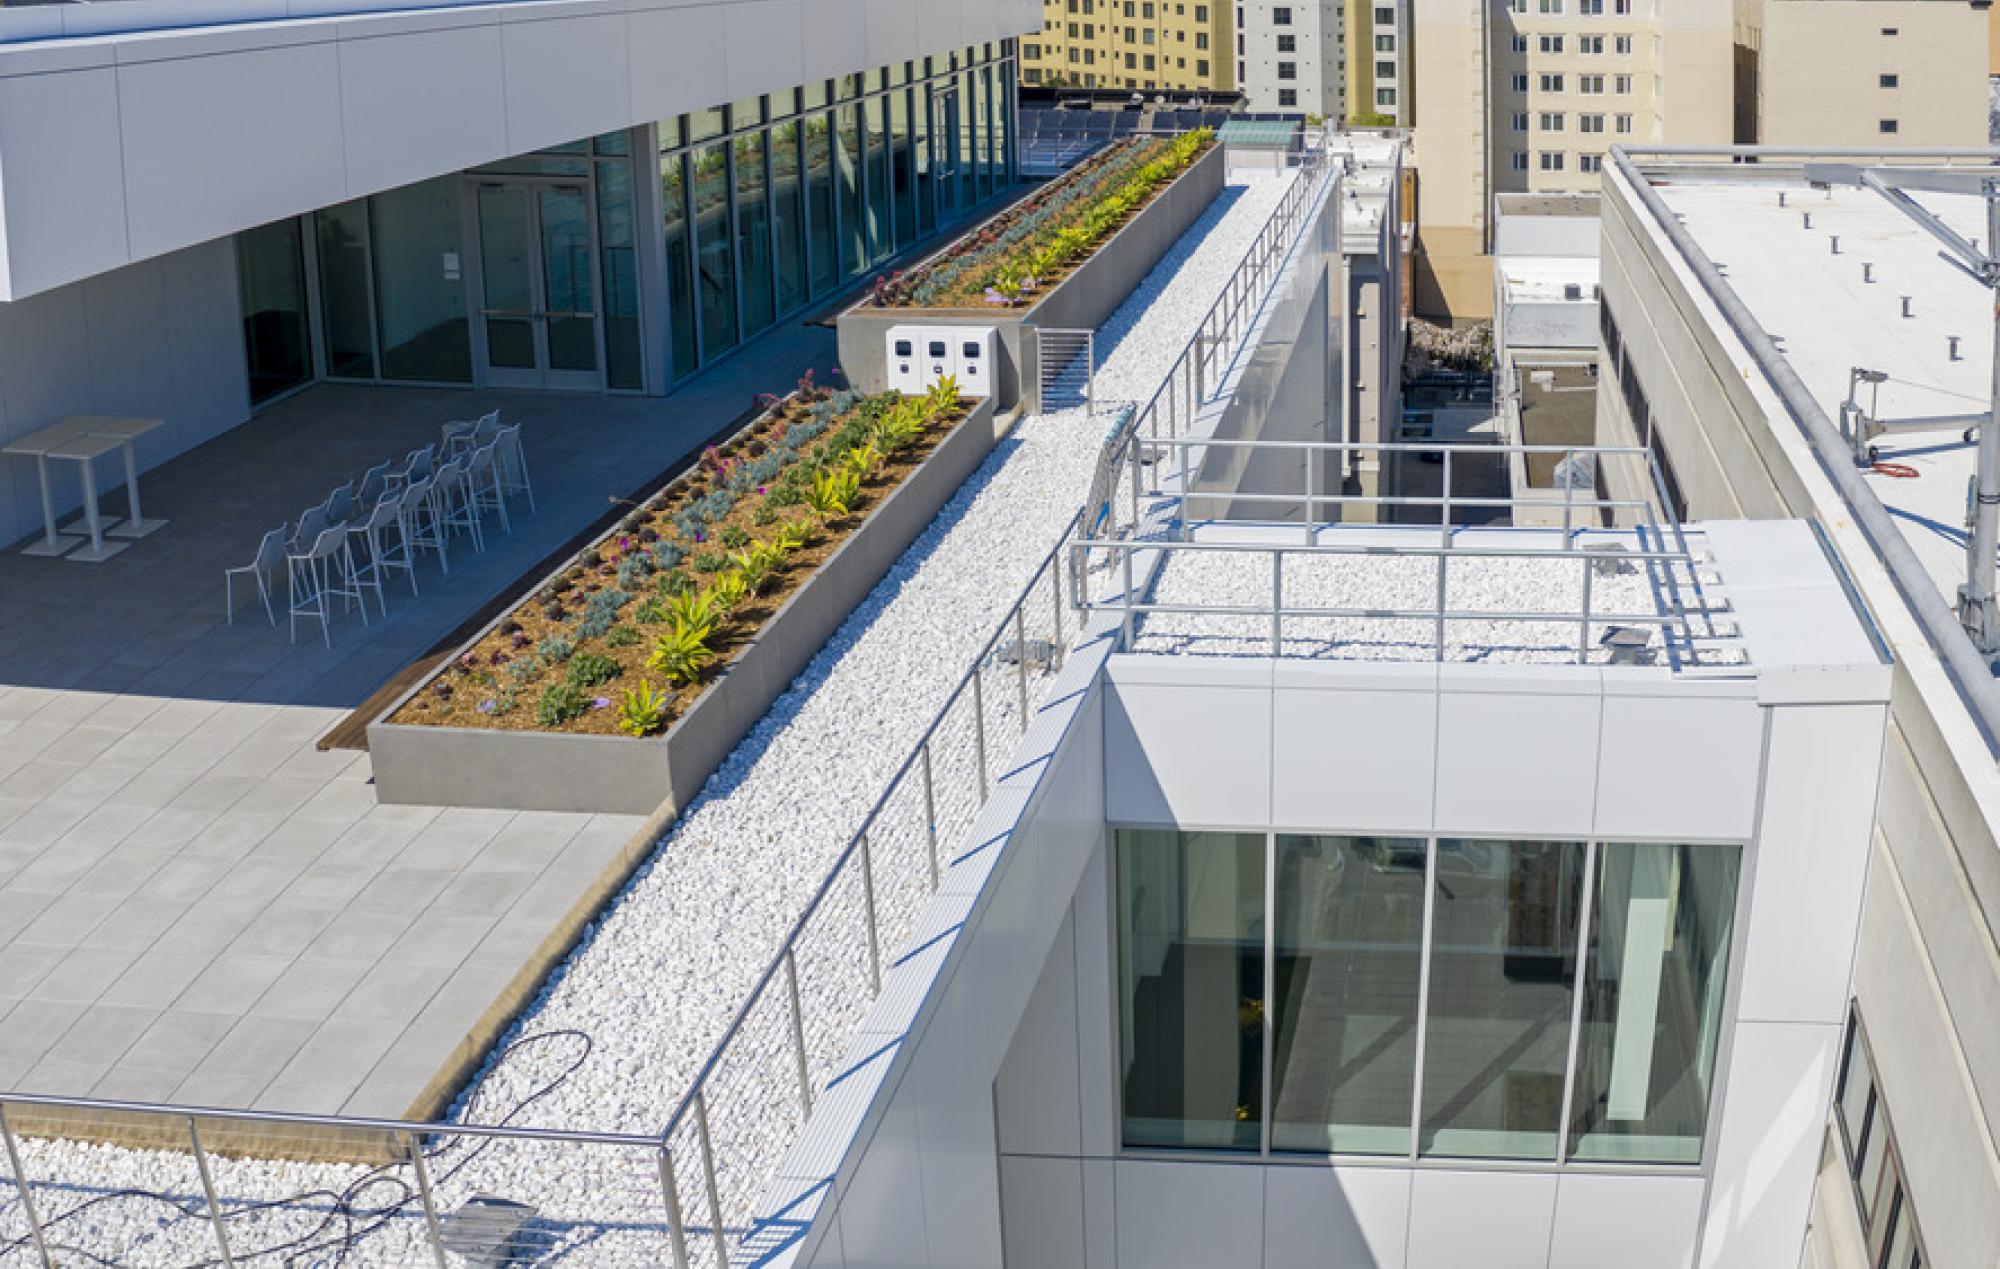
(1054, 140)
(1256, 133)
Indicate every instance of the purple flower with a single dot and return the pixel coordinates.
(488, 706)
(760, 489)
(624, 544)
(699, 536)
(602, 702)
(994, 297)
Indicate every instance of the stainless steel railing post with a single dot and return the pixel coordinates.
(423, 1171)
(708, 1171)
(208, 1189)
(930, 815)
(1277, 601)
(1444, 509)
(1583, 628)
(1055, 598)
(1443, 560)
(27, 1198)
(1021, 659)
(868, 911)
(798, 1033)
(1568, 470)
(979, 729)
(670, 1193)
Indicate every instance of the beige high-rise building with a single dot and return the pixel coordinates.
(1378, 63)
(1529, 95)
(1144, 45)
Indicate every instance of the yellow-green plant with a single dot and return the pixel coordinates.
(682, 653)
(863, 459)
(641, 710)
(833, 492)
(757, 564)
(900, 425)
(943, 395)
(793, 536)
(729, 589)
(694, 609)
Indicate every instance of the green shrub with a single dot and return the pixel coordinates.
(622, 636)
(560, 703)
(641, 710)
(588, 669)
(682, 653)
(734, 536)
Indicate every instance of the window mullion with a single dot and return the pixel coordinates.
(1270, 989)
(1584, 913)
(1423, 996)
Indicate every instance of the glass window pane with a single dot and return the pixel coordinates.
(1854, 1092)
(1655, 973)
(788, 209)
(569, 288)
(342, 234)
(1503, 967)
(881, 210)
(271, 282)
(507, 255)
(624, 363)
(926, 194)
(1874, 1160)
(704, 125)
(853, 222)
(715, 264)
(1191, 965)
(819, 204)
(904, 170)
(613, 144)
(419, 283)
(753, 232)
(1348, 963)
(680, 263)
(1903, 1243)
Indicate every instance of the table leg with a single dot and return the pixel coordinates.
(98, 551)
(52, 543)
(136, 525)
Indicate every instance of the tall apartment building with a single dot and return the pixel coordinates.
(1291, 57)
(1529, 96)
(1175, 45)
(1378, 62)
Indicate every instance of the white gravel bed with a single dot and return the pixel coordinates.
(1390, 582)
(657, 979)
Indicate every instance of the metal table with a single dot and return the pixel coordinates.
(36, 445)
(85, 450)
(126, 431)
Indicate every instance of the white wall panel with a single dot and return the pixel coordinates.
(1189, 1215)
(1811, 861)
(1521, 761)
(766, 45)
(1354, 759)
(836, 37)
(1042, 1205)
(465, 114)
(1691, 762)
(1353, 1218)
(892, 29)
(59, 134)
(565, 79)
(218, 143)
(672, 55)
(1184, 753)
(1036, 1096)
(1650, 1222)
(882, 1206)
(1495, 1220)
(1773, 1122)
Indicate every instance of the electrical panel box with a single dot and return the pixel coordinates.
(919, 356)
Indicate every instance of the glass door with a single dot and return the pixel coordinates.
(538, 262)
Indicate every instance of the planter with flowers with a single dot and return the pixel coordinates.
(628, 674)
(1063, 258)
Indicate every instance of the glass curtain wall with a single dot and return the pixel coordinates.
(345, 307)
(773, 202)
(277, 326)
(1437, 999)
(420, 307)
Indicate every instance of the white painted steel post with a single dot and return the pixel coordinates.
(671, 1194)
(208, 1189)
(708, 1170)
(930, 815)
(27, 1198)
(1444, 509)
(423, 1171)
(979, 728)
(1583, 629)
(1021, 659)
(1277, 600)
(1443, 559)
(798, 1034)
(868, 911)
(1568, 470)
(1055, 599)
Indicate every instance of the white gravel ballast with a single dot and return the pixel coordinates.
(613, 1041)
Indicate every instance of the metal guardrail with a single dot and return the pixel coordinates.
(1066, 368)
(1197, 373)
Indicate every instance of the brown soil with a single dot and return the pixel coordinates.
(454, 697)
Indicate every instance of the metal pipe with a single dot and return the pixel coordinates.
(868, 912)
(930, 815)
(798, 1034)
(708, 1170)
(27, 1197)
(979, 731)
(208, 1189)
(423, 1171)
(1926, 602)
(1977, 610)
(1021, 660)
(670, 1193)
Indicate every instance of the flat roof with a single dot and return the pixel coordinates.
(1828, 320)
(1543, 279)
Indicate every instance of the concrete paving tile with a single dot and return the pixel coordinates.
(95, 782)
(404, 890)
(198, 751)
(393, 991)
(259, 1045)
(252, 757)
(137, 922)
(127, 1082)
(156, 979)
(312, 987)
(68, 920)
(103, 1033)
(357, 935)
(83, 744)
(551, 896)
(17, 909)
(314, 763)
(169, 827)
(256, 879)
(232, 983)
(329, 1067)
(533, 841)
(281, 794)
(47, 820)
(125, 710)
(375, 839)
(299, 840)
(234, 834)
(478, 892)
(440, 939)
(341, 799)
(122, 871)
(32, 1027)
(329, 884)
(57, 868)
(107, 825)
(83, 975)
(446, 846)
(12, 809)
(212, 792)
(285, 929)
(63, 1077)
(138, 751)
(177, 1042)
(185, 878)
(229, 1090)
(208, 926)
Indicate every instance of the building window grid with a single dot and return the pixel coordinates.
(1581, 951)
(1867, 1136)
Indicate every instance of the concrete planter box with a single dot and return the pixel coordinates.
(1081, 301)
(559, 771)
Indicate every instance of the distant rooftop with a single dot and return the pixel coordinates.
(1828, 320)
(1549, 279)
(1372, 162)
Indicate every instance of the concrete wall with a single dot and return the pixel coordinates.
(1822, 63)
(1927, 971)
(1246, 745)
(162, 339)
(122, 148)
